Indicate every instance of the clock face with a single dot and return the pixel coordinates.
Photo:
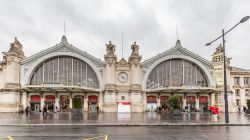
(123, 77)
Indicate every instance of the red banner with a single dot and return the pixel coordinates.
(164, 99)
(190, 99)
(35, 98)
(151, 99)
(50, 98)
(203, 99)
(93, 99)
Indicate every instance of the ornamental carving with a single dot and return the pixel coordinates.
(110, 60)
(64, 49)
(123, 62)
(134, 61)
(14, 52)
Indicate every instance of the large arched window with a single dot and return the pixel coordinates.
(176, 73)
(65, 70)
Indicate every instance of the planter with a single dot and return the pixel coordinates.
(76, 112)
(175, 112)
(77, 107)
(248, 111)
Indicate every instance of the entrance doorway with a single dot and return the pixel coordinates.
(35, 107)
(35, 103)
(93, 103)
(190, 103)
(92, 107)
(64, 103)
(151, 103)
(164, 103)
(203, 100)
(49, 102)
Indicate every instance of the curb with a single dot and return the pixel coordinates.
(130, 124)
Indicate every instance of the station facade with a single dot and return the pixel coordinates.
(54, 76)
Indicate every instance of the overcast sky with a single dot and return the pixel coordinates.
(152, 23)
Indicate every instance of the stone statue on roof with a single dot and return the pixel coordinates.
(219, 50)
(110, 48)
(135, 49)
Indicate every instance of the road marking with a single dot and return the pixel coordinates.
(105, 137)
(10, 138)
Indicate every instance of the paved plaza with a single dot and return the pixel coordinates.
(147, 118)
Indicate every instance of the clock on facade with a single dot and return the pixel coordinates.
(122, 77)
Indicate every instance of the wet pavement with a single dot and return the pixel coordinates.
(126, 133)
(146, 118)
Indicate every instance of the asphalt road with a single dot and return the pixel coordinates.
(125, 132)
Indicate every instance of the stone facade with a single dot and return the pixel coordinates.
(118, 85)
(10, 78)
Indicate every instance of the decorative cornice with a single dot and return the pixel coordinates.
(63, 46)
(177, 50)
(239, 72)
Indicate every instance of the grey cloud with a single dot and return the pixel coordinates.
(91, 24)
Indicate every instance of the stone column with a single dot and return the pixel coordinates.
(57, 102)
(144, 99)
(70, 102)
(100, 100)
(158, 100)
(212, 101)
(184, 100)
(197, 103)
(24, 100)
(85, 102)
(42, 101)
(27, 100)
(243, 97)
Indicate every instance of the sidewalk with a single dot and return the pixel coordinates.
(113, 119)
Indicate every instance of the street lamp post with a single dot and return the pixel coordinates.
(224, 63)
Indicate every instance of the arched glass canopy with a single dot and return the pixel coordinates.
(176, 73)
(65, 70)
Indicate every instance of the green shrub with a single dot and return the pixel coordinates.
(248, 104)
(174, 102)
(76, 103)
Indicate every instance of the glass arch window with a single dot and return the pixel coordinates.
(65, 70)
(176, 73)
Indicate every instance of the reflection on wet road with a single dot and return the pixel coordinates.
(126, 133)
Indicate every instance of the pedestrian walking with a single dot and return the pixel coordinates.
(204, 109)
(239, 108)
(244, 109)
(45, 110)
(97, 108)
(186, 108)
(27, 110)
(56, 109)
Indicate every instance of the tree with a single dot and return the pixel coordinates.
(174, 102)
(76, 103)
